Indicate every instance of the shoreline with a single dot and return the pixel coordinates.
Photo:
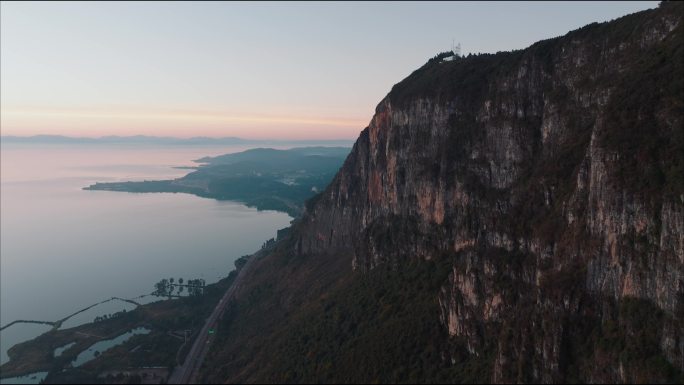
(36, 355)
(163, 347)
(57, 324)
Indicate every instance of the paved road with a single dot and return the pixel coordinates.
(186, 373)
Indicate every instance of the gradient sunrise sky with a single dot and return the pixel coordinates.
(253, 70)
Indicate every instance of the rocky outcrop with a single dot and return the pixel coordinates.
(551, 177)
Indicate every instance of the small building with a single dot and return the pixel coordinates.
(455, 51)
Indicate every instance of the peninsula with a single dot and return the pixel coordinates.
(265, 178)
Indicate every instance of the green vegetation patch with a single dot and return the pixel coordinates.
(382, 326)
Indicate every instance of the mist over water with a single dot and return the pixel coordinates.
(63, 248)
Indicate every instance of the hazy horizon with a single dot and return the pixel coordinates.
(282, 71)
(174, 137)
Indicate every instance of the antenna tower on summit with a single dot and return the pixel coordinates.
(456, 49)
(455, 52)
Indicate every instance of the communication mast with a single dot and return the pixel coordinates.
(456, 49)
(455, 52)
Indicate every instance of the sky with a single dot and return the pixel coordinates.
(253, 70)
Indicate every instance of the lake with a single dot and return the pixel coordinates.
(63, 248)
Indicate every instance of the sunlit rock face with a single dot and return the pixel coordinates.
(549, 176)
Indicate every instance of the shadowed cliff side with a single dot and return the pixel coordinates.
(514, 217)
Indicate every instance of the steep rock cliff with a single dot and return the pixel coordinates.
(545, 187)
(552, 177)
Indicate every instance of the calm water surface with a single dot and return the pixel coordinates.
(63, 248)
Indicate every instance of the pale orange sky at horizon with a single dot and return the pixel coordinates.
(263, 70)
(96, 122)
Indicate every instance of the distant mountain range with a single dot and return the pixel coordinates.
(161, 140)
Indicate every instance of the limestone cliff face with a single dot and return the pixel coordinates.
(552, 178)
